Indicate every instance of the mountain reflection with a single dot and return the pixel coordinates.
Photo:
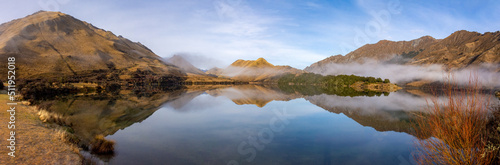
(383, 113)
(90, 115)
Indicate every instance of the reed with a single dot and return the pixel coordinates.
(457, 127)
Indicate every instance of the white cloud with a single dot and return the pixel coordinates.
(313, 5)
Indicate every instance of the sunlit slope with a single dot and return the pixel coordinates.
(54, 43)
(254, 70)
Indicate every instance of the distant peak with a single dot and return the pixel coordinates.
(48, 13)
(260, 62)
(384, 41)
(427, 37)
(43, 15)
(464, 32)
(40, 11)
(176, 56)
(461, 35)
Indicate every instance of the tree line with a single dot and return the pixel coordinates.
(330, 80)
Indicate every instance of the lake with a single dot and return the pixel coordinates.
(246, 124)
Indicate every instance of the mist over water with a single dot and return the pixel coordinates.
(487, 74)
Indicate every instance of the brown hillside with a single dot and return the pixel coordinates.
(53, 43)
(462, 49)
(459, 50)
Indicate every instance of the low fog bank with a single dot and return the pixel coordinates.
(487, 74)
(200, 61)
(397, 101)
(232, 71)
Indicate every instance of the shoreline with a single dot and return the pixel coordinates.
(36, 142)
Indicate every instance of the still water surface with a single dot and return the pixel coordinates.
(257, 125)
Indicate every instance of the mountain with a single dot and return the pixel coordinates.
(214, 71)
(195, 75)
(184, 65)
(459, 50)
(54, 44)
(254, 70)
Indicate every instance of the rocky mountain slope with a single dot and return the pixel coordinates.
(459, 50)
(253, 70)
(56, 44)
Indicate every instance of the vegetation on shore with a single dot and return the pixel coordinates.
(97, 81)
(462, 130)
(330, 80)
(36, 142)
(341, 85)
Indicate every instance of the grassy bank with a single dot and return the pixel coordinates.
(36, 142)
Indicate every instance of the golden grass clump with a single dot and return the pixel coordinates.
(102, 146)
(457, 127)
(50, 117)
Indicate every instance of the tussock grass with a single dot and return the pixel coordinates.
(51, 117)
(457, 126)
(102, 146)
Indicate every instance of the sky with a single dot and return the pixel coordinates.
(285, 32)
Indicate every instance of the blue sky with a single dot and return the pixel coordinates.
(285, 32)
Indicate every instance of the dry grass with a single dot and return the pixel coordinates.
(50, 117)
(102, 146)
(457, 127)
(35, 143)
